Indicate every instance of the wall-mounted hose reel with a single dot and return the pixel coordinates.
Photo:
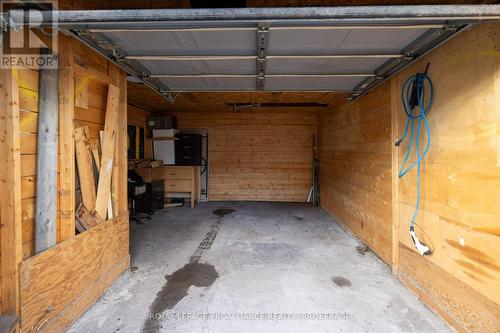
(416, 96)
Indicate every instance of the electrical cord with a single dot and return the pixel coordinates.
(413, 94)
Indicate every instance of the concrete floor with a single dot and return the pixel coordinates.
(262, 260)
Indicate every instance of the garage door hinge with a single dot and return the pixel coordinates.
(262, 45)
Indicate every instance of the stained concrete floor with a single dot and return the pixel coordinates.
(265, 267)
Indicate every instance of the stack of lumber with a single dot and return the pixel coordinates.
(95, 170)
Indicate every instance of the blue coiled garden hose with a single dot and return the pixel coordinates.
(414, 94)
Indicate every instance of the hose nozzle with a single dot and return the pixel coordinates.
(423, 249)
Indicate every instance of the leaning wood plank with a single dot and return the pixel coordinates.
(97, 159)
(114, 74)
(10, 178)
(109, 145)
(85, 167)
(72, 275)
(47, 150)
(98, 163)
(86, 218)
(66, 140)
(122, 143)
(79, 226)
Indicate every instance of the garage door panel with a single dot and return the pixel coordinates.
(210, 84)
(344, 41)
(201, 67)
(220, 42)
(295, 58)
(311, 83)
(323, 66)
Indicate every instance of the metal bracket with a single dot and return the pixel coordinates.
(425, 43)
(262, 45)
(117, 55)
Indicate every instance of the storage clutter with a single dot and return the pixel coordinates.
(150, 170)
(163, 183)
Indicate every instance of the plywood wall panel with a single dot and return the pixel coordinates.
(459, 304)
(70, 276)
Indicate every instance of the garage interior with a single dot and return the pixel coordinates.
(271, 166)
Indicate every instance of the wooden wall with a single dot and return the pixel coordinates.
(354, 151)
(137, 116)
(10, 203)
(28, 119)
(262, 155)
(460, 207)
(94, 92)
(460, 211)
(83, 80)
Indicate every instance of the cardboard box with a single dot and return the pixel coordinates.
(150, 171)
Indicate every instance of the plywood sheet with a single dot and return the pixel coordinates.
(59, 284)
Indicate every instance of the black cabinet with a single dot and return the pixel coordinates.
(152, 200)
(188, 149)
(157, 193)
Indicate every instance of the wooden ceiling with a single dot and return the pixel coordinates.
(144, 98)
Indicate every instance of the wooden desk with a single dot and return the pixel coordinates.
(181, 181)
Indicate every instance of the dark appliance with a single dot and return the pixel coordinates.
(188, 149)
(152, 200)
